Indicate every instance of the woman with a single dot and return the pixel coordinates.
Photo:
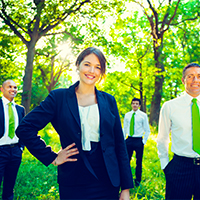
(93, 163)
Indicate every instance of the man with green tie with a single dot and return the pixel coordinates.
(10, 147)
(136, 132)
(180, 116)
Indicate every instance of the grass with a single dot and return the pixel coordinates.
(36, 181)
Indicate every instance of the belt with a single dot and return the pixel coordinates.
(9, 145)
(195, 161)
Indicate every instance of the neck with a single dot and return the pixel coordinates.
(85, 89)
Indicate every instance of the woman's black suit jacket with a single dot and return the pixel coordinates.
(61, 109)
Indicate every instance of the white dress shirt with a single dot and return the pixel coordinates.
(141, 125)
(89, 116)
(175, 116)
(6, 139)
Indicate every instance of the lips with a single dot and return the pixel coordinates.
(90, 76)
(195, 85)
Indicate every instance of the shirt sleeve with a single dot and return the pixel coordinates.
(125, 129)
(146, 129)
(164, 127)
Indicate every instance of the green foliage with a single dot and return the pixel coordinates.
(35, 181)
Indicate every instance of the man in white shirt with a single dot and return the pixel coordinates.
(136, 135)
(182, 173)
(10, 146)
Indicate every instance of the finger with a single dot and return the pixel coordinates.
(71, 150)
(71, 159)
(69, 146)
(72, 153)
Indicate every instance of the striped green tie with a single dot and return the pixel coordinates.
(11, 128)
(132, 125)
(195, 126)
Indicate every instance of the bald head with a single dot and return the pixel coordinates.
(9, 89)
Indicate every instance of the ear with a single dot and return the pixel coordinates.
(183, 80)
(1, 89)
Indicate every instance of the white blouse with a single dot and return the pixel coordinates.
(89, 116)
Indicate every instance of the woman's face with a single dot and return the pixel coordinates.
(89, 69)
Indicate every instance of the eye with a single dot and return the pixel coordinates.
(86, 64)
(190, 76)
(98, 67)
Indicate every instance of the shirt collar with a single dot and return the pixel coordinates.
(188, 98)
(6, 101)
(135, 111)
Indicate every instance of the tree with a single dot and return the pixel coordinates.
(160, 21)
(30, 21)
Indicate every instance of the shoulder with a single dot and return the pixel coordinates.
(19, 106)
(63, 91)
(173, 102)
(106, 95)
(128, 114)
(142, 113)
(59, 91)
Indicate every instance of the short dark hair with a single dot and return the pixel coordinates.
(98, 53)
(136, 99)
(188, 66)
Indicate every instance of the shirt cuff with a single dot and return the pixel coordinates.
(164, 162)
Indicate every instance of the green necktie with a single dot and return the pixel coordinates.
(11, 128)
(132, 125)
(195, 126)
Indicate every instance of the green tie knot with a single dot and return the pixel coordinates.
(194, 100)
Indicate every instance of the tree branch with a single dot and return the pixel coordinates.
(72, 37)
(64, 16)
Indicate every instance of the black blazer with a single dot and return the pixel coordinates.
(21, 114)
(61, 109)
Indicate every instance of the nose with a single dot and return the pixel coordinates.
(195, 78)
(91, 70)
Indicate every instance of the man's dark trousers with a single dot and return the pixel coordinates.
(182, 178)
(10, 159)
(136, 144)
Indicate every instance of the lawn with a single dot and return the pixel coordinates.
(35, 181)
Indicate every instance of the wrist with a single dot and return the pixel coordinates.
(55, 162)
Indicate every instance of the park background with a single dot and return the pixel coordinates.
(146, 42)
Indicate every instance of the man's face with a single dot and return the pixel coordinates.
(135, 105)
(192, 81)
(9, 90)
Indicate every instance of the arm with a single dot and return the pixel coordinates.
(146, 129)
(125, 130)
(121, 152)
(33, 122)
(163, 135)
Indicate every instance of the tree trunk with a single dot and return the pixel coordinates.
(159, 79)
(156, 99)
(27, 79)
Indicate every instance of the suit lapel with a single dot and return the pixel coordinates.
(19, 112)
(102, 108)
(73, 103)
(1, 119)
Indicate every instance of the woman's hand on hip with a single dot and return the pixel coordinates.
(124, 195)
(65, 154)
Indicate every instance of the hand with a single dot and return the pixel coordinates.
(124, 195)
(64, 155)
